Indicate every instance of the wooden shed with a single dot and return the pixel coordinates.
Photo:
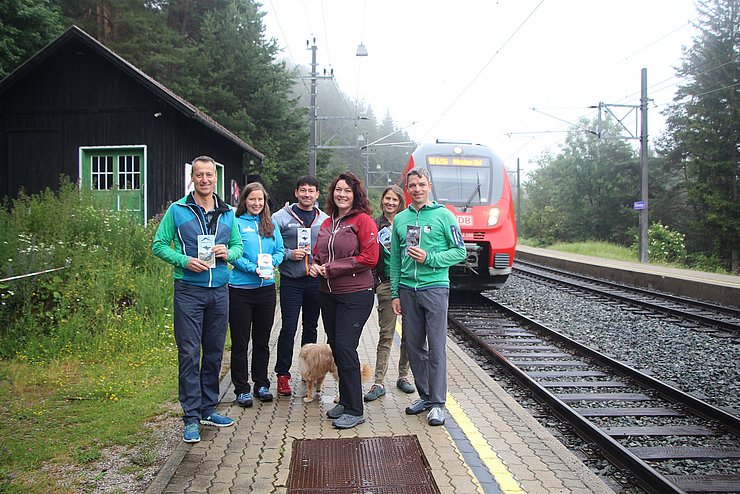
(78, 109)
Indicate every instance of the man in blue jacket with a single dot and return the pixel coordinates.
(202, 231)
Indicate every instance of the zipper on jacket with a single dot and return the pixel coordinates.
(316, 215)
(259, 241)
(330, 244)
(198, 211)
(416, 264)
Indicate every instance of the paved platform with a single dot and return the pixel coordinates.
(489, 443)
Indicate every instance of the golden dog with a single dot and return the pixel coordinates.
(316, 361)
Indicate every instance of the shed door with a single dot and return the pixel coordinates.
(116, 178)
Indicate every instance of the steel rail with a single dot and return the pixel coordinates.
(645, 475)
(666, 391)
(709, 321)
(651, 480)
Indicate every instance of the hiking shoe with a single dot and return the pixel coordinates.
(436, 416)
(404, 385)
(283, 386)
(244, 400)
(191, 433)
(335, 412)
(264, 394)
(347, 421)
(217, 420)
(376, 391)
(417, 407)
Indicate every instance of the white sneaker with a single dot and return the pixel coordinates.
(436, 416)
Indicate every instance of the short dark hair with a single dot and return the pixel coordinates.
(309, 180)
(360, 202)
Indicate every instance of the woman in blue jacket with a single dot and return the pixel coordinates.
(252, 294)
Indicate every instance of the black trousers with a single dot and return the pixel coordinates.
(344, 317)
(251, 315)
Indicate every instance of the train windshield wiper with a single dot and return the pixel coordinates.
(475, 191)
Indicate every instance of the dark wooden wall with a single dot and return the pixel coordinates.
(76, 97)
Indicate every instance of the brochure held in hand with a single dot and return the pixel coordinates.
(264, 263)
(205, 250)
(413, 236)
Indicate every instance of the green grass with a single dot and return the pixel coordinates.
(597, 249)
(87, 354)
(606, 250)
(64, 413)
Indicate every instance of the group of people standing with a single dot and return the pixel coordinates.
(332, 263)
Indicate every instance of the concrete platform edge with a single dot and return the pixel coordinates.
(582, 471)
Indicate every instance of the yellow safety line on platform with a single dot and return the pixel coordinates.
(488, 456)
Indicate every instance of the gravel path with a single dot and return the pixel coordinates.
(706, 366)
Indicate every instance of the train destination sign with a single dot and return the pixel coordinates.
(456, 161)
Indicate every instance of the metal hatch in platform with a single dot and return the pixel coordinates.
(360, 465)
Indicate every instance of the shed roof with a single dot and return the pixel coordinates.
(183, 106)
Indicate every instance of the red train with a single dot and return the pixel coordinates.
(471, 181)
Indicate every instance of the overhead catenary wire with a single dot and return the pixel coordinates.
(482, 69)
(625, 98)
(287, 47)
(665, 84)
(359, 65)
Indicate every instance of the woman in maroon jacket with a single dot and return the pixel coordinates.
(346, 250)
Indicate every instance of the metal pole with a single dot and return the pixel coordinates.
(644, 168)
(312, 114)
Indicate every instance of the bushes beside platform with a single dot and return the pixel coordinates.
(87, 354)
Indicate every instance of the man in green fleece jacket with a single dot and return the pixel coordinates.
(426, 240)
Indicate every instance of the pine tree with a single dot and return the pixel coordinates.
(585, 192)
(703, 131)
(26, 26)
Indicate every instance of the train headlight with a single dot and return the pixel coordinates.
(493, 215)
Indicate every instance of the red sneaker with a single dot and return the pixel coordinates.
(283, 386)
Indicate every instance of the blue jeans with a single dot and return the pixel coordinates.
(201, 317)
(296, 294)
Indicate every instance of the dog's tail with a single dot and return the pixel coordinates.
(366, 371)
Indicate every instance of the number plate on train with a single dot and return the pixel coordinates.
(464, 219)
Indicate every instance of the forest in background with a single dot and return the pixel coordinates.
(214, 54)
(586, 190)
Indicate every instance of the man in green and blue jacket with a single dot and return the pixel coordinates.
(425, 241)
(202, 231)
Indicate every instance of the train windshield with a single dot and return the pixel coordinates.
(464, 181)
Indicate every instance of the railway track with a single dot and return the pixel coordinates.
(640, 424)
(709, 317)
